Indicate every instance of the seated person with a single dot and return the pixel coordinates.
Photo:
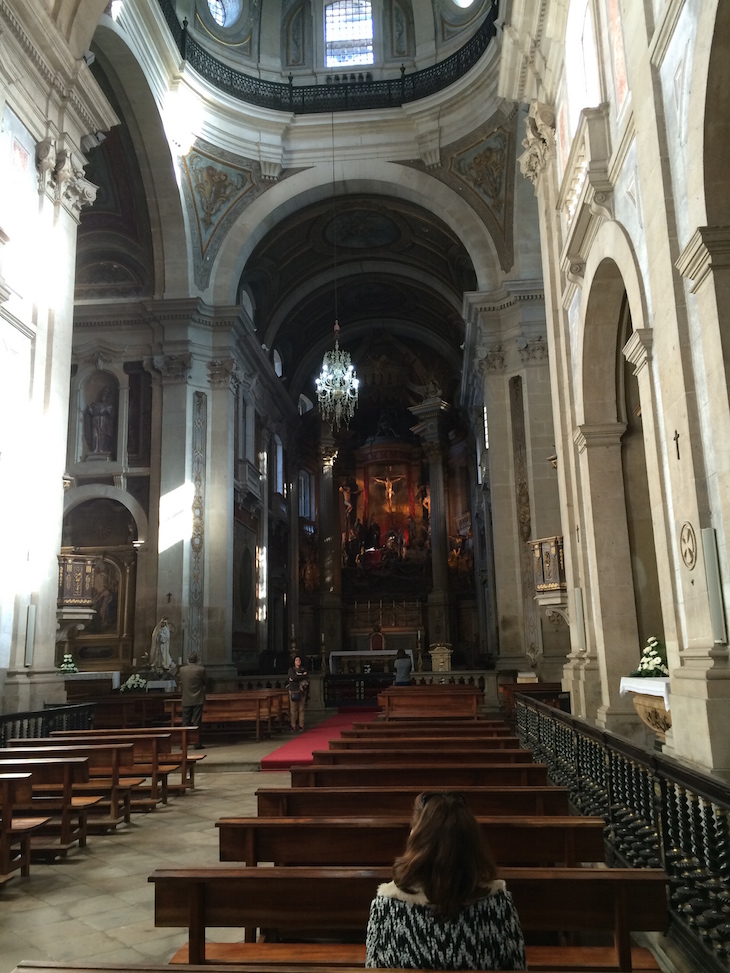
(403, 667)
(377, 639)
(445, 908)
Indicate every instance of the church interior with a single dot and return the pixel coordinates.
(332, 327)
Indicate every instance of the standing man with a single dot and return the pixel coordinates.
(191, 679)
(298, 686)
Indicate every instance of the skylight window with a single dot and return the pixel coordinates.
(224, 12)
(348, 33)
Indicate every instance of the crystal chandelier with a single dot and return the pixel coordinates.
(337, 386)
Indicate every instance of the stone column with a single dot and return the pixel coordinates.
(609, 557)
(43, 307)
(219, 517)
(431, 413)
(330, 579)
(292, 600)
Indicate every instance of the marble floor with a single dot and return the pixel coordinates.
(96, 905)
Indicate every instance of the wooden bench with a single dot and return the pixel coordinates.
(129, 710)
(288, 966)
(230, 710)
(428, 700)
(427, 776)
(395, 801)
(153, 759)
(106, 763)
(16, 832)
(418, 728)
(52, 782)
(378, 841)
(416, 755)
(313, 903)
(183, 739)
(431, 742)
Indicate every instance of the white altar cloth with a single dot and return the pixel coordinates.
(647, 686)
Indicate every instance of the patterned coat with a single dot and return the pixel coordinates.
(486, 935)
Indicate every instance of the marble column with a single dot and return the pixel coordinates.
(292, 600)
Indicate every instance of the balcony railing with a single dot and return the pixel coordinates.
(41, 723)
(343, 96)
(658, 813)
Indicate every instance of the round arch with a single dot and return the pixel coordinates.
(371, 176)
(612, 272)
(77, 20)
(708, 133)
(75, 498)
(157, 167)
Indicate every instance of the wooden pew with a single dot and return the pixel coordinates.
(106, 763)
(153, 759)
(378, 841)
(52, 780)
(429, 700)
(427, 776)
(417, 755)
(395, 801)
(318, 902)
(46, 966)
(431, 742)
(16, 832)
(183, 739)
(230, 710)
(443, 723)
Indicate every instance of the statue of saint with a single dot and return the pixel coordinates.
(160, 657)
(99, 422)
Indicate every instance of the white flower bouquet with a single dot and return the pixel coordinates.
(134, 684)
(653, 662)
(68, 664)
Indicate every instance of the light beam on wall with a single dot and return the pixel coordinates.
(176, 516)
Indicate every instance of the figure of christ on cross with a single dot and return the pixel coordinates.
(388, 487)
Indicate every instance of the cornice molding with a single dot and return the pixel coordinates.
(600, 434)
(637, 350)
(708, 250)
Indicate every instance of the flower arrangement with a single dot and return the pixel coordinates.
(68, 664)
(135, 683)
(653, 662)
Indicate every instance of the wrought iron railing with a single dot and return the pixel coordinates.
(39, 723)
(657, 812)
(330, 97)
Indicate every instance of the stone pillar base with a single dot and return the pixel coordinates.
(26, 690)
(700, 708)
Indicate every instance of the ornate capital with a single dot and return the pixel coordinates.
(328, 455)
(491, 361)
(223, 373)
(532, 350)
(72, 189)
(45, 162)
(175, 369)
(539, 141)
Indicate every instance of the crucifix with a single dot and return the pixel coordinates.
(676, 441)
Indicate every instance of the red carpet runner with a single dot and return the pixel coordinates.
(299, 750)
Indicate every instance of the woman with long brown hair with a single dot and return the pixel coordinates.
(445, 908)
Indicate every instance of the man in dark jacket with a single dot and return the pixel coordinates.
(191, 680)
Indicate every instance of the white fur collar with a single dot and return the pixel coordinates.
(391, 891)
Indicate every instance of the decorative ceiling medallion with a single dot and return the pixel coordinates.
(688, 545)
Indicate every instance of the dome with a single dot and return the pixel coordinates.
(306, 42)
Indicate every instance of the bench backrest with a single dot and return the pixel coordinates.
(426, 776)
(378, 841)
(418, 755)
(430, 742)
(109, 756)
(390, 801)
(325, 899)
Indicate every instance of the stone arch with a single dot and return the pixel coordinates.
(708, 134)
(157, 167)
(97, 492)
(77, 20)
(611, 272)
(369, 176)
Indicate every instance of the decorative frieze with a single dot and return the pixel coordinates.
(539, 142)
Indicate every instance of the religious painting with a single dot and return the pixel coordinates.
(105, 597)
